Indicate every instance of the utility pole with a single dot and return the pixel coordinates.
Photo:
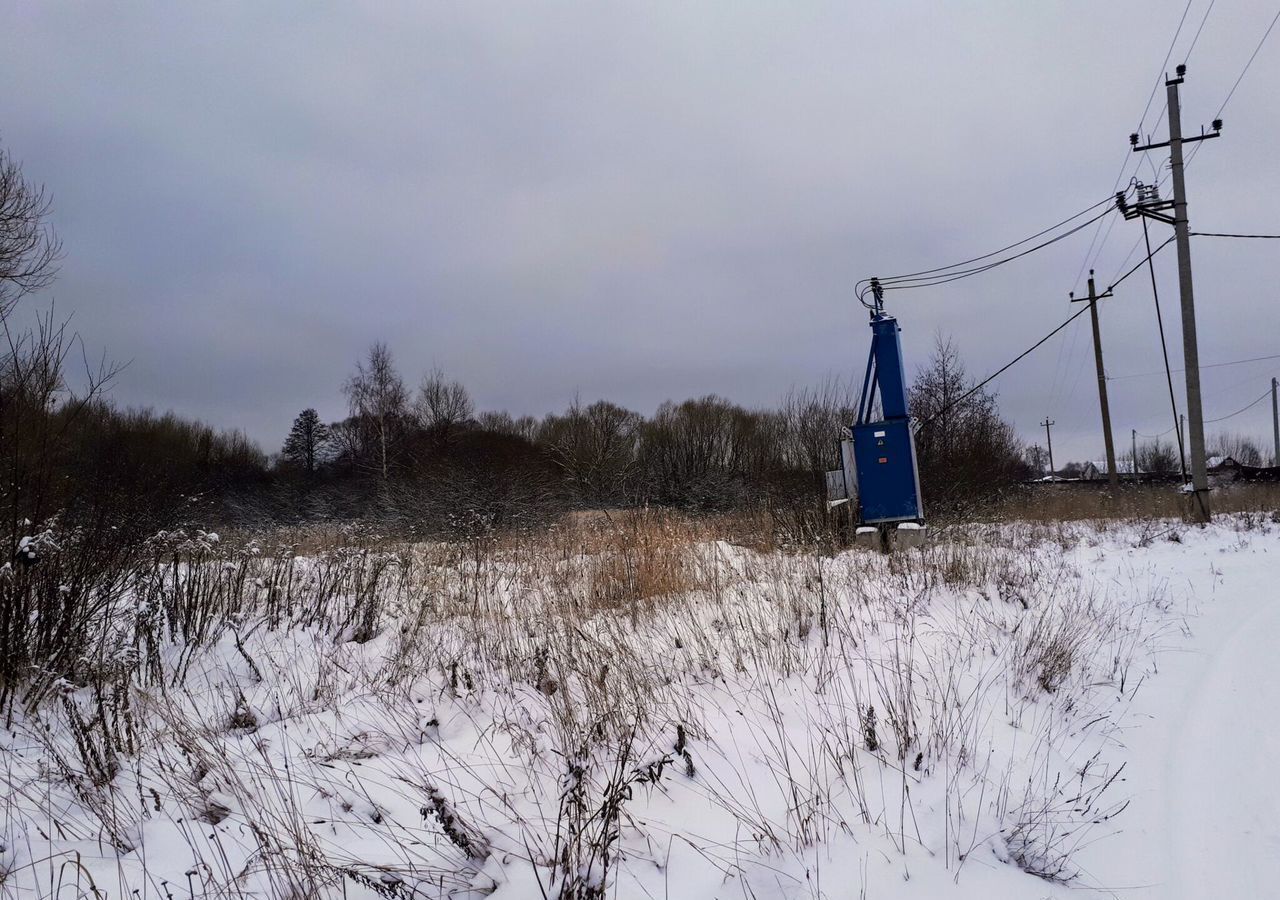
(1048, 424)
(1275, 425)
(1182, 441)
(1151, 207)
(1134, 438)
(1113, 477)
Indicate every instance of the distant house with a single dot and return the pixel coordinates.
(1096, 470)
(1222, 469)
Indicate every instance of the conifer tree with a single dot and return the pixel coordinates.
(307, 442)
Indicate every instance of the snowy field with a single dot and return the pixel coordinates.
(639, 710)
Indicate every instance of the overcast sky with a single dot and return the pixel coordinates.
(636, 202)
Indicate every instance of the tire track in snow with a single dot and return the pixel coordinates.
(1223, 767)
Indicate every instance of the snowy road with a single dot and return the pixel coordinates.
(1204, 747)
(1224, 800)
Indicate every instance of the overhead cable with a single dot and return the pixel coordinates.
(1196, 150)
(1195, 39)
(1160, 75)
(1164, 347)
(956, 271)
(1264, 396)
(1232, 362)
(1017, 359)
(862, 286)
(1245, 70)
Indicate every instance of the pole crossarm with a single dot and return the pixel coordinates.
(1074, 299)
(1203, 136)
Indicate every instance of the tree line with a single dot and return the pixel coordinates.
(426, 454)
(421, 454)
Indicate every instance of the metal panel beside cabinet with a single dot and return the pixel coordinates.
(848, 468)
(836, 492)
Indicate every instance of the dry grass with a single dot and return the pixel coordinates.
(529, 696)
(1076, 502)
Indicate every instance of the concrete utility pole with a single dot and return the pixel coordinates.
(1275, 425)
(1113, 477)
(1048, 424)
(1181, 231)
(1182, 442)
(1134, 438)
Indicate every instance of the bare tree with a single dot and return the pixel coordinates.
(33, 361)
(29, 248)
(378, 400)
(502, 422)
(347, 439)
(705, 452)
(1157, 458)
(1240, 447)
(814, 417)
(1036, 457)
(595, 447)
(442, 405)
(965, 450)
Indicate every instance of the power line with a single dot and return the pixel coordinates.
(1017, 359)
(1232, 390)
(1196, 150)
(1160, 74)
(1164, 349)
(1246, 409)
(1129, 255)
(907, 282)
(1168, 54)
(902, 282)
(1106, 235)
(1252, 57)
(1094, 241)
(1140, 264)
(945, 272)
(1233, 362)
(1025, 353)
(1198, 30)
(1264, 396)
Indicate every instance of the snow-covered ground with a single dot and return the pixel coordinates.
(1014, 711)
(1202, 738)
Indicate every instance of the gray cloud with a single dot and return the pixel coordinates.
(637, 202)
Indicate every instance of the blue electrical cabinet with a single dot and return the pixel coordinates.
(886, 481)
(885, 461)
